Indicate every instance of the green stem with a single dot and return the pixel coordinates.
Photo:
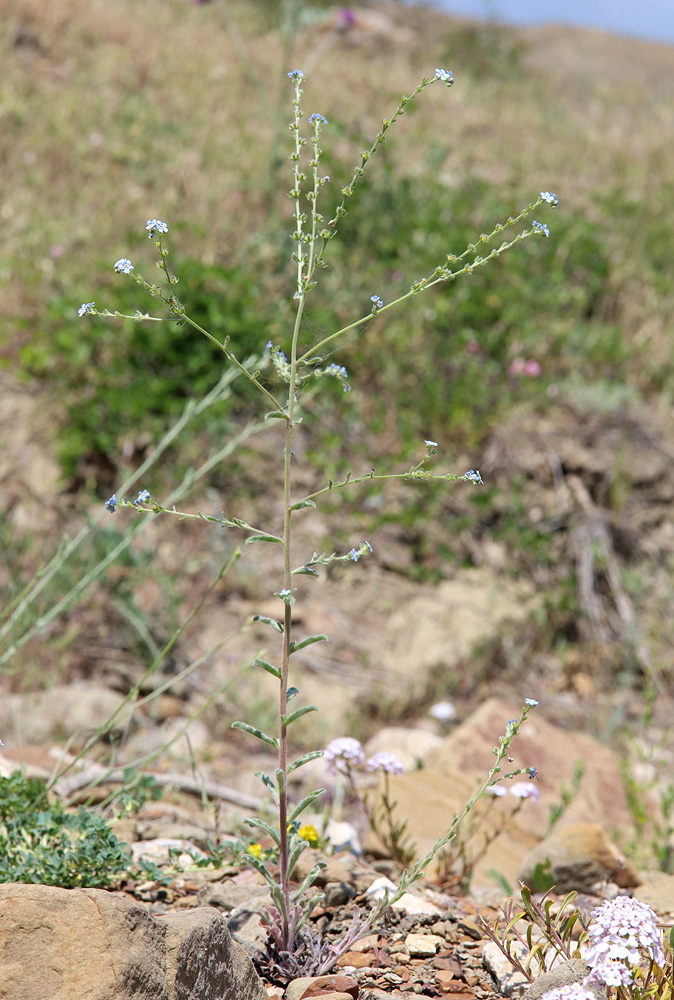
(237, 364)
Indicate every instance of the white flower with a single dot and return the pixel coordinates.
(497, 790)
(443, 711)
(124, 266)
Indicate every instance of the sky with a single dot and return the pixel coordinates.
(650, 19)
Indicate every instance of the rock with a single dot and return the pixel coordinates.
(66, 943)
(342, 836)
(344, 867)
(408, 903)
(228, 895)
(178, 831)
(338, 893)
(161, 850)
(657, 890)
(334, 986)
(573, 971)
(245, 924)
(422, 945)
(412, 746)
(554, 752)
(429, 799)
(509, 981)
(62, 711)
(577, 857)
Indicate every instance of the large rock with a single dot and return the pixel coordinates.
(89, 944)
(429, 799)
(554, 752)
(63, 710)
(578, 857)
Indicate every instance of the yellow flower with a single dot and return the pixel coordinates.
(255, 850)
(310, 834)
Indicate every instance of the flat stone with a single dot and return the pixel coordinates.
(422, 945)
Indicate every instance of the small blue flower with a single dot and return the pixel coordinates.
(124, 266)
(530, 701)
(86, 307)
(431, 444)
(296, 74)
(155, 226)
(368, 545)
(268, 347)
(378, 303)
(142, 497)
(532, 772)
(111, 503)
(354, 555)
(551, 198)
(474, 477)
(318, 119)
(444, 75)
(540, 227)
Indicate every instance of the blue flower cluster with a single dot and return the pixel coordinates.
(155, 226)
(445, 76)
(86, 307)
(474, 477)
(124, 266)
(317, 119)
(540, 227)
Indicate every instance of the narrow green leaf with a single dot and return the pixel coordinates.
(260, 867)
(269, 782)
(263, 538)
(298, 847)
(304, 571)
(304, 759)
(241, 524)
(260, 824)
(298, 713)
(275, 415)
(271, 741)
(309, 880)
(271, 622)
(263, 665)
(309, 641)
(305, 803)
(301, 504)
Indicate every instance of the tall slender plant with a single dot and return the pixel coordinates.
(292, 949)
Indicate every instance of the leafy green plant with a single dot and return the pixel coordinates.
(42, 842)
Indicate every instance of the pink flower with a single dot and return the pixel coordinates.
(523, 790)
(532, 369)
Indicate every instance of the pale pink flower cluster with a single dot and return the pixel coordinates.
(624, 933)
(344, 753)
(521, 790)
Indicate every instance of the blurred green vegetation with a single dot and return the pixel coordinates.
(115, 114)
